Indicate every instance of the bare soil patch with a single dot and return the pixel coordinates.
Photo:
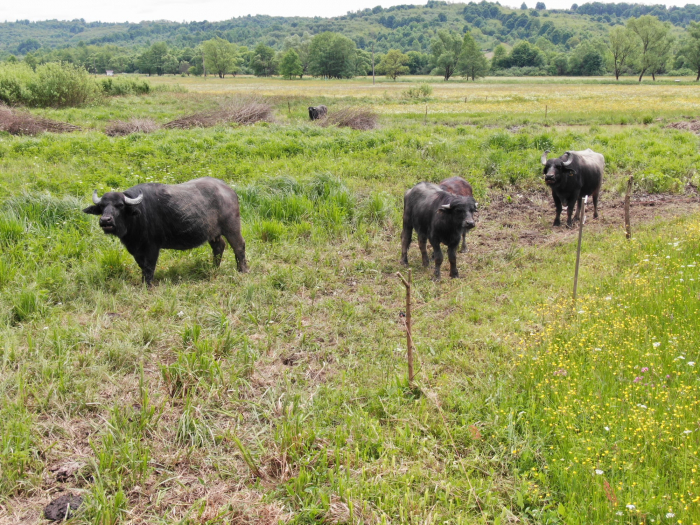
(692, 125)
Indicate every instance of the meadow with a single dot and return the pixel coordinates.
(281, 394)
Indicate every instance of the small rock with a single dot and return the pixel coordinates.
(58, 509)
(66, 471)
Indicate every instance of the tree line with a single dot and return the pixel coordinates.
(643, 46)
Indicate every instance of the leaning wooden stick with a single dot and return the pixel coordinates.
(628, 226)
(582, 218)
(409, 337)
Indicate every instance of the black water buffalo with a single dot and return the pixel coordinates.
(150, 217)
(573, 176)
(317, 112)
(459, 186)
(438, 217)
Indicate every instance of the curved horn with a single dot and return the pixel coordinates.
(95, 198)
(569, 159)
(544, 158)
(445, 206)
(135, 201)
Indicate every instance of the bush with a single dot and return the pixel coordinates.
(14, 83)
(421, 91)
(120, 86)
(62, 85)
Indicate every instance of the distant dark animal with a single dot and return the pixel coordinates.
(438, 217)
(150, 217)
(459, 186)
(573, 176)
(317, 112)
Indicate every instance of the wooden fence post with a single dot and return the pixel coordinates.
(409, 337)
(628, 226)
(582, 217)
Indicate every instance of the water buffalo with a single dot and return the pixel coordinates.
(438, 217)
(150, 217)
(459, 186)
(317, 112)
(573, 176)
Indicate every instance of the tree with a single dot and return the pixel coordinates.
(523, 6)
(263, 61)
(445, 51)
(500, 58)
(691, 49)
(332, 55)
(623, 46)
(417, 62)
(586, 60)
(524, 54)
(290, 65)
(393, 64)
(540, 6)
(220, 56)
(300, 44)
(653, 37)
(472, 62)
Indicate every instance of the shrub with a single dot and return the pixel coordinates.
(421, 91)
(120, 86)
(14, 83)
(61, 85)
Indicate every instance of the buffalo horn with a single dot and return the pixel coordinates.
(569, 158)
(445, 206)
(135, 201)
(95, 198)
(544, 158)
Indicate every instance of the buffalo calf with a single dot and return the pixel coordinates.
(438, 217)
(150, 217)
(573, 176)
(459, 186)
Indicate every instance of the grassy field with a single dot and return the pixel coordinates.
(281, 395)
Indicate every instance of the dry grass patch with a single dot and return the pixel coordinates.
(23, 123)
(360, 118)
(242, 112)
(692, 125)
(120, 128)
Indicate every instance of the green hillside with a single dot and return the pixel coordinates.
(405, 27)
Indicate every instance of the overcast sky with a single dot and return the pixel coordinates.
(213, 10)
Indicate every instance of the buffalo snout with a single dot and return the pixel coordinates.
(107, 222)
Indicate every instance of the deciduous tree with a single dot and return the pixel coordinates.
(263, 61)
(393, 64)
(220, 56)
(623, 47)
(472, 62)
(290, 65)
(653, 38)
(445, 51)
(691, 48)
(332, 55)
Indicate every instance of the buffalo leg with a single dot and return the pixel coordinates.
(595, 204)
(218, 246)
(437, 255)
(558, 207)
(232, 232)
(452, 257)
(406, 236)
(570, 204)
(423, 250)
(464, 242)
(147, 262)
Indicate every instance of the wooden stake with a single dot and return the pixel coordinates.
(628, 226)
(409, 337)
(372, 63)
(545, 111)
(425, 120)
(582, 217)
(289, 107)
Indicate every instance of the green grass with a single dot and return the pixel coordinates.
(282, 393)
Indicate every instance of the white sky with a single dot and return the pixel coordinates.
(215, 10)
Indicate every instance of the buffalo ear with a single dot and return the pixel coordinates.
(93, 210)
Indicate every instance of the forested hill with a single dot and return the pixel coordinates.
(404, 27)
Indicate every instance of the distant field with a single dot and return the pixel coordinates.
(281, 395)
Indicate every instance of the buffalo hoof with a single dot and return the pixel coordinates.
(454, 275)
(463, 250)
(595, 215)
(557, 223)
(404, 262)
(569, 225)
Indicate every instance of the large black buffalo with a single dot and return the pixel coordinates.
(459, 186)
(573, 176)
(150, 217)
(438, 217)
(317, 112)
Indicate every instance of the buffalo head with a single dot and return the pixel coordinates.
(114, 209)
(462, 210)
(556, 169)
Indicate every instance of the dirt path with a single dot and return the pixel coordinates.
(527, 219)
